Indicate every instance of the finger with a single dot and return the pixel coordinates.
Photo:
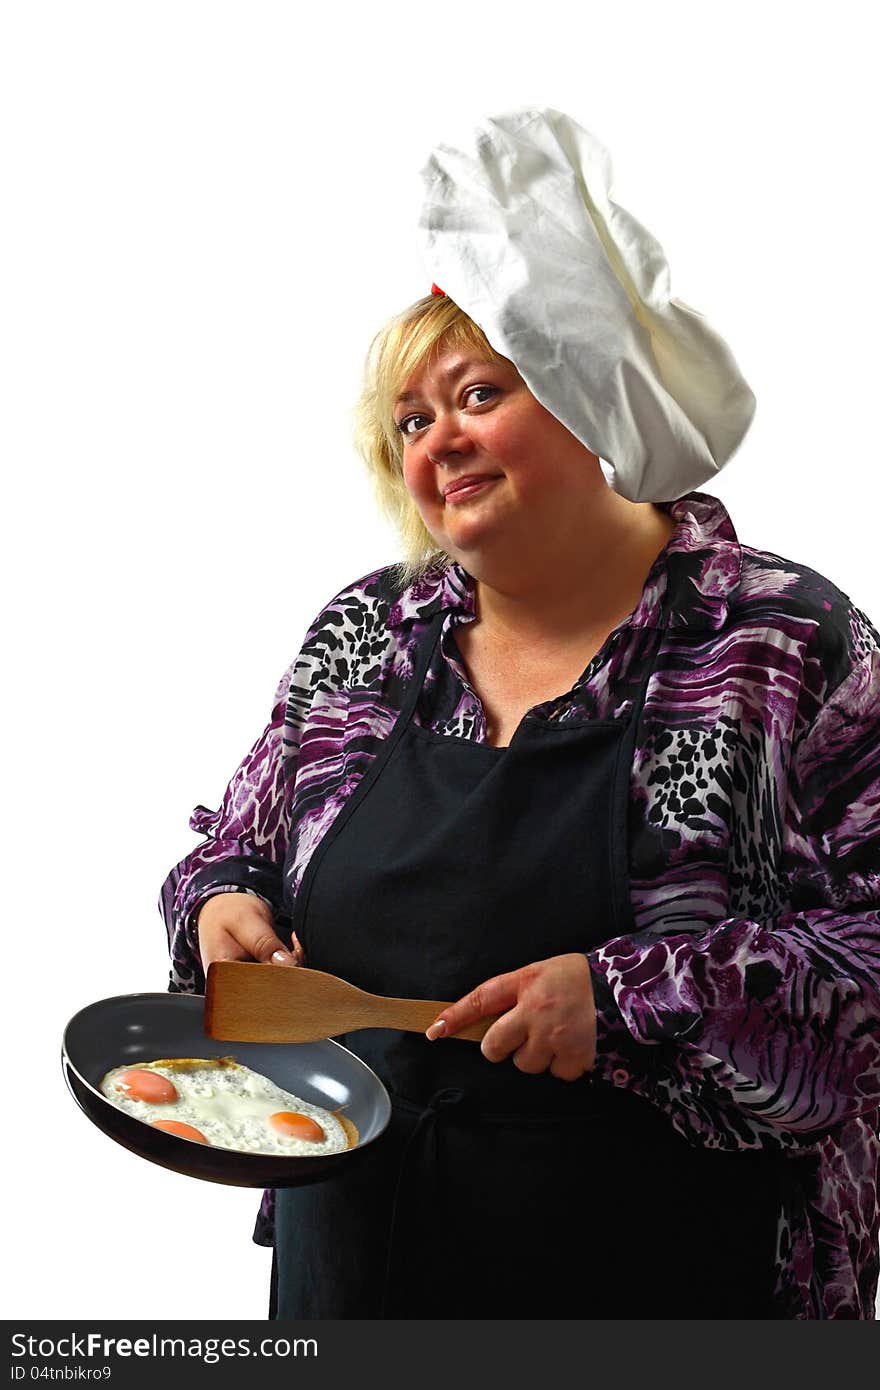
(494, 996)
(217, 944)
(569, 1068)
(251, 936)
(533, 1057)
(258, 937)
(504, 1037)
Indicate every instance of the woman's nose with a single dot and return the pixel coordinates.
(447, 438)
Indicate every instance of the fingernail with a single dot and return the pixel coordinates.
(436, 1030)
(283, 958)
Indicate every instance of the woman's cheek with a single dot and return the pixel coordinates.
(414, 476)
(421, 485)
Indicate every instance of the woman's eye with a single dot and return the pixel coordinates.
(474, 395)
(410, 424)
(487, 393)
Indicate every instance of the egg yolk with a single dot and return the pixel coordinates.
(180, 1129)
(294, 1126)
(150, 1086)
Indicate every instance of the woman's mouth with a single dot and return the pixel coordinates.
(460, 489)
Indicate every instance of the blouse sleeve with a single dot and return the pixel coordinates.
(765, 1032)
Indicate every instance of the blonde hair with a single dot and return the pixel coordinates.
(398, 350)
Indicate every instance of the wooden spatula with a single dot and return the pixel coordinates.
(247, 1002)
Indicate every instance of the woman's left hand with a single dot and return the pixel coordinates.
(548, 1017)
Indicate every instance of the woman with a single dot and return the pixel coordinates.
(592, 766)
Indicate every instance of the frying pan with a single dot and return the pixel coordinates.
(144, 1027)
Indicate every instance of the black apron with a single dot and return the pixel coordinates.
(496, 1193)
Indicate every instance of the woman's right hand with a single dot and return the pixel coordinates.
(238, 926)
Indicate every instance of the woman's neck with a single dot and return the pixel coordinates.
(588, 587)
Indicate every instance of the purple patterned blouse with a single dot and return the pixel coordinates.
(746, 1004)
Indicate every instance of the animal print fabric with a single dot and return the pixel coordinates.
(745, 1004)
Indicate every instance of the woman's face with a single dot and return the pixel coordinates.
(486, 465)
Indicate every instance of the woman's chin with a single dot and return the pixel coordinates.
(474, 529)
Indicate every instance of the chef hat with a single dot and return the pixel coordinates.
(518, 228)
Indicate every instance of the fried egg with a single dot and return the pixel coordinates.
(223, 1103)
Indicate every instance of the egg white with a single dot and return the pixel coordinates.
(230, 1105)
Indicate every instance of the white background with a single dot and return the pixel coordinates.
(208, 211)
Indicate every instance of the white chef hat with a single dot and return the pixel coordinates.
(517, 227)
